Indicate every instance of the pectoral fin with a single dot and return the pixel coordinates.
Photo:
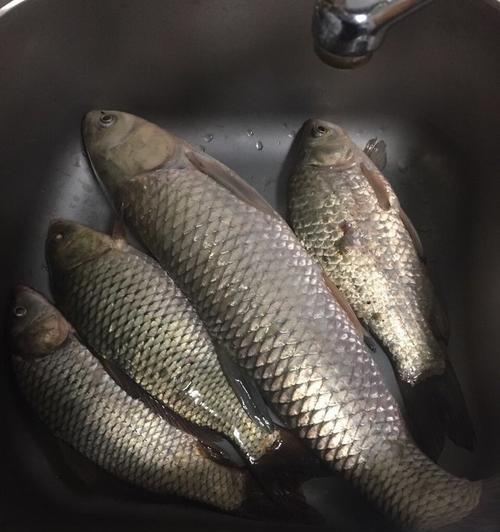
(214, 454)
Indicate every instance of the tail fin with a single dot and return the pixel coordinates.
(458, 423)
(281, 473)
(486, 515)
(436, 408)
(424, 421)
(285, 507)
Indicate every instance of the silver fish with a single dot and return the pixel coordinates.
(261, 294)
(130, 313)
(348, 217)
(73, 395)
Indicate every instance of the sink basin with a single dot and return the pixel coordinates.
(239, 77)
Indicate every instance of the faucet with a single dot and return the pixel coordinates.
(346, 32)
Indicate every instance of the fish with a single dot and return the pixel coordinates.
(132, 315)
(260, 293)
(349, 219)
(70, 391)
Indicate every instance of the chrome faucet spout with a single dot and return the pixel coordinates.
(346, 32)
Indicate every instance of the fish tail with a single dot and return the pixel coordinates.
(458, 422)
(283, 504)
(436, 408)
(281, 472)
(425, 422)
(485, 517)
(289, 457)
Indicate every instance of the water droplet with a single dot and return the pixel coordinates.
(259, 145)
(202, 148)
(208, 137)
(292, 133)
(278, 142)
(250, 132)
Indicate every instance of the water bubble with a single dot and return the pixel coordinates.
(202, 148)
(292, 133)
(402, 167)
(250, 132)
(208, 137)
(259, 145)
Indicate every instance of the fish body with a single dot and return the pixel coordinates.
(260, 292)
(132, 315)
(348, 217)
(74, 396)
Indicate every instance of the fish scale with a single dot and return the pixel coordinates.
(82, 405)
(318, 206)
(349, 219)
(314, 345)
(151, 331)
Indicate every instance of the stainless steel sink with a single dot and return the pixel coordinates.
(239, 77)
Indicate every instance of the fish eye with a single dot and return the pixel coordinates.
(20, 311)
(107, 119)
(319, 131)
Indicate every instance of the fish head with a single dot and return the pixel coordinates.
(121, 146)
(70, 244)
(36, 326)
(325, 144)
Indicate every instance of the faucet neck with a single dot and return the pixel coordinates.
(346, 32)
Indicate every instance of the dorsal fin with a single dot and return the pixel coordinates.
(377, 151)
(378, 184)
(231, 181)
(342, 301)
(439, 321)
(413, 234)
